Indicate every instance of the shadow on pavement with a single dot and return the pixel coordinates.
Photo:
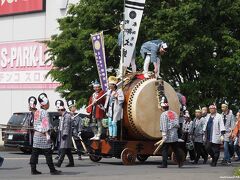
(70, 173)
(9, 169)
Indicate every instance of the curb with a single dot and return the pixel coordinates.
(3, 149)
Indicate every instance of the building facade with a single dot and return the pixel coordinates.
(24, 25)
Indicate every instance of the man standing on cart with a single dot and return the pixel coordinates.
(96, 110)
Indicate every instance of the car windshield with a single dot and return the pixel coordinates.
(17, 119)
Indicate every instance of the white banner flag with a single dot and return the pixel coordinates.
(133, 11)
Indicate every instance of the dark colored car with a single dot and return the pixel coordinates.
(18, 136)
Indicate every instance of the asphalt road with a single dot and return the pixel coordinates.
(16, 167)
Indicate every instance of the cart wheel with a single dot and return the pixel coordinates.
(182, 155)
(142, 158)
(128, 157)
(95, 158)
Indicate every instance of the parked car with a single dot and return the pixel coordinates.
(17, 136)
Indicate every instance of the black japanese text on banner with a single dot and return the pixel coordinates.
(99, 52)
(133, 11)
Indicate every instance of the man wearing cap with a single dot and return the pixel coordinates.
(214, 130)
(41, 139)
(114, 106)
(152, 51)
(197, 133)
(96, 110)
(28, 122)
(65, 135)
(76, 126)
(229, 123)
(169, 124)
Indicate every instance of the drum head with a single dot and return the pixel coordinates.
(143, 108)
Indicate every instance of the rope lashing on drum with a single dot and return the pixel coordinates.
(160, 91)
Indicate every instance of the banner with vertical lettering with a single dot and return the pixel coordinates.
(133, 11)
(99, 52)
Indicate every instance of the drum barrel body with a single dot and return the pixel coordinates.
(141, 110)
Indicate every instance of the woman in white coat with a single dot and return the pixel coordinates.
(214, 130)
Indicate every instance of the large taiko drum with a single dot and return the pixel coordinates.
(141, 119)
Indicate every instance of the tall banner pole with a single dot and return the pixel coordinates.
(122, 61)
(133, 11)
(99, 52)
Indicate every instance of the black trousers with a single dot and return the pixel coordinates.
(200, 151)
(165, 148)
(48, 155)
(192, 154)
(79, 147)
(180, 133)
(63, 152)
(213, 150)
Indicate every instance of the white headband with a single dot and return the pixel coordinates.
(58, 105)
(45, 100)
(31, 103)
(164, 46)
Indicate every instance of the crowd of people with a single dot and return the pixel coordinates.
(204, 134)
(70, 124)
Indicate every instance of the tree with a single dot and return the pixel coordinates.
(195, 30)
(71, 51)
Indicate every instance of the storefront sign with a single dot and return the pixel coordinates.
(23, 65)
(11, 7)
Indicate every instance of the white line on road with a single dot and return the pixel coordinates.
(42, 158)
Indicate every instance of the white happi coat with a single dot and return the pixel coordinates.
(114, 105)
(197, 129)
(169, 124)
(217, 127)
(229, 125)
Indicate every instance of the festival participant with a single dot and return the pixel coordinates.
(229, 123)
(65, 134)
(197, 133)
(214, 134)
(1, 161)
(77, 126)
(96, 110)
(169, 125)
(114, 106)
(152, 51)
(187, 137)
(41, 138)
(28, 122)
(235, 136)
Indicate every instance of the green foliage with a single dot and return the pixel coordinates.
(236, 172)
(194, 29)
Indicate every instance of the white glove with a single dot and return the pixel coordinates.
(221, 138)
(164, 136)
(79, 134)
(48, 138)
(204, 138)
